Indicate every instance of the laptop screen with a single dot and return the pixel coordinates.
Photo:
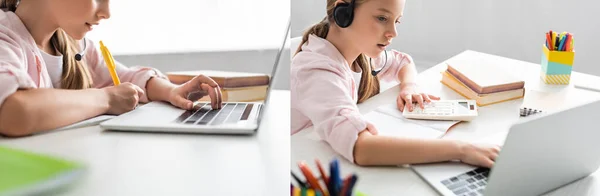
(274, 71)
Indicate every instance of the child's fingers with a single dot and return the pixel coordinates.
(488, 163)
(220, 95)
(400, 103)
(182, 103)
(138, 89)
(202, 79)
(433, 97)
(425, 97)
(371, 128)
(408, 102)
(214, 97)
(419, 100)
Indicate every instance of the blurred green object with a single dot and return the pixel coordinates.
(26, 173)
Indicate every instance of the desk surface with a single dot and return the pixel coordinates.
(496, 118)
(122, 163)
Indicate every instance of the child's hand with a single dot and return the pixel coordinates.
(179, 94)
(372, 129)
(478, 154)
(123, 98)
(409, 93)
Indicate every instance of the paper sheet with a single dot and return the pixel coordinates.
(389, 121)
(89, 122)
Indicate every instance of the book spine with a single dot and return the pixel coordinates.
(246, 82)
(460, 77)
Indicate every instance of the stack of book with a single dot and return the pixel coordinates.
(482, 78)
(235, 86)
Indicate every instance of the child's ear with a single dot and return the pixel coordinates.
(338, 2)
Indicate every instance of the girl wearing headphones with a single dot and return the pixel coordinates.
(43, 85)
(332, 71)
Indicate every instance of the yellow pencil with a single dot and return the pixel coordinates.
(310, 192)
(296, 191)
(110, 63)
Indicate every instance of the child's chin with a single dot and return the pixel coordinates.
(77, 35)
(374, 53)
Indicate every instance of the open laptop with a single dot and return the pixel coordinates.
(232, 118)
(541, 153)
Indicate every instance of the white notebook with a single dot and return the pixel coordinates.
(389, 122)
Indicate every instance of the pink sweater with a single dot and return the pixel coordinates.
(323, 93)
(22, 66)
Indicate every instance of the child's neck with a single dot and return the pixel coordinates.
(348, 51)
(35, 18)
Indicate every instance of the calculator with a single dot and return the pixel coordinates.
(463, 110)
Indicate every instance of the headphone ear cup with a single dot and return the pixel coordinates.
(343, 15)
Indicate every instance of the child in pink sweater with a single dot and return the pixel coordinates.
(43, 86)
(332, 72)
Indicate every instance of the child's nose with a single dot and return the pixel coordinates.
(391, 33)
(103, 11)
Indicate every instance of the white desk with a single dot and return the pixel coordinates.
(306, 145)
(176, 164)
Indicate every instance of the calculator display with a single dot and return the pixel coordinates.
(464, 104)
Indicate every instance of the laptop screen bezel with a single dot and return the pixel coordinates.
(272, 76)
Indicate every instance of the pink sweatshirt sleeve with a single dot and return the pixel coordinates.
(320, 92)
(101, 76)
(13, 72)
(395, 61)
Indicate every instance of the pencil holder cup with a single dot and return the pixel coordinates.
(556, 66)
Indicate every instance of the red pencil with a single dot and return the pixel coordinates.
(346, 186)
(549, 41)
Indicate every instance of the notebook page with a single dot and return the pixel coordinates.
(440, 125)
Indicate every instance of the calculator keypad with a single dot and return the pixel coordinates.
(433, 108)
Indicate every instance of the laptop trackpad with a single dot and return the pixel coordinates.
(152, 113)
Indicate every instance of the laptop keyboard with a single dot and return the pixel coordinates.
(471, 183)
(203, 114)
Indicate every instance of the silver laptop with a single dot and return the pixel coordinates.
(541, 153)
(232, 118)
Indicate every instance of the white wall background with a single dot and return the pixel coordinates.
(177, 35)
(434, 30)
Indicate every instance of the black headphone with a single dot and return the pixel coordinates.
(343, 14)
(79, 55)
(373, 72)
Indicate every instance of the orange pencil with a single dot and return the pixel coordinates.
(314, 183)
(325, 178)
(568, 42)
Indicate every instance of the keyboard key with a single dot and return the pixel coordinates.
(472, 187)
(197, 115)
(464, 177)
(479, 177)
(454, 179)
(208, 117)
(460, 191)
(481, 170)
(486, 173)
(481, 183)
(222, 116)
(470, 180)
(471, 173)
(480, 191)
(446, 182)
(457, 185)
(473, 194)
(236, 114)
